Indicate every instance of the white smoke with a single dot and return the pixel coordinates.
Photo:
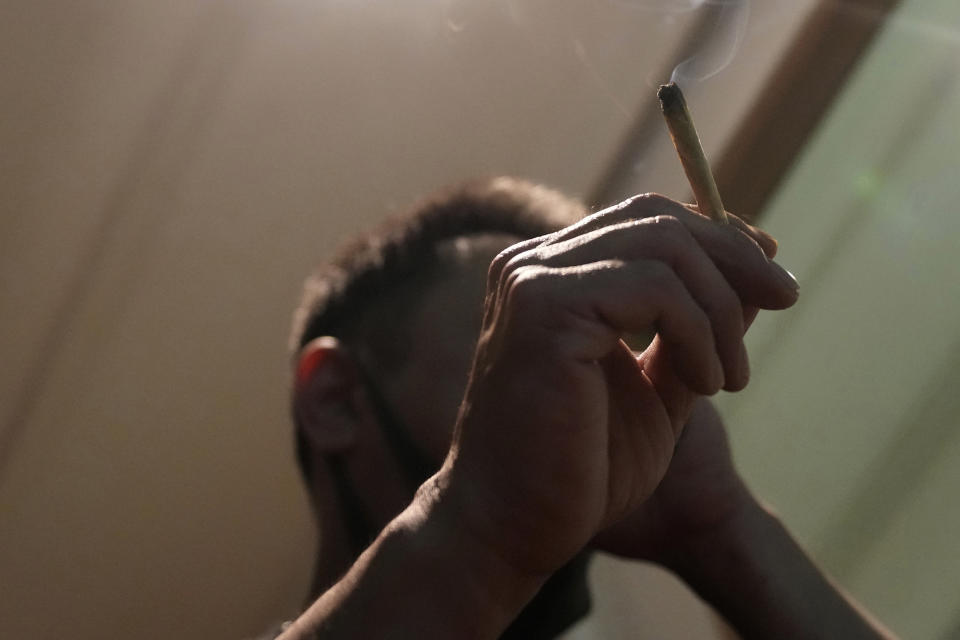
(729, 24)
(720, 47)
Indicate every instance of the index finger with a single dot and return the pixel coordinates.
(740, 251)
(647, 205)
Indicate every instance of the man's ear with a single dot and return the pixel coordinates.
(325, 396)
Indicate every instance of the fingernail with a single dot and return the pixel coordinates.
(770, 243)
(786, 277)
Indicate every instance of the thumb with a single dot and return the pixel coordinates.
(658, 365)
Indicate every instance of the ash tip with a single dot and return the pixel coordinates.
(666, 89)
(670, 96)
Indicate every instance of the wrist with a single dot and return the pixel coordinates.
(761, 581)
(425, 576)
(734, 537)
(472, 577)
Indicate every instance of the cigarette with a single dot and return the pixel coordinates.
(687, 142)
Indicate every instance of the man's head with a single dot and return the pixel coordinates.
(387, 288)
(384, 340)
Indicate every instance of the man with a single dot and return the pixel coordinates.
(559, 442)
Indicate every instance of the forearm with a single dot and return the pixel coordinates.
(760, 579)
(421, 578)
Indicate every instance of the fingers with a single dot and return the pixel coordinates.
(666, 240)
(653, 204)
(581, 311)
(657, 363)
(496, 272)
(724, 270)
(741, 252)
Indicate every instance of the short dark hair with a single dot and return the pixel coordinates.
(403, 253)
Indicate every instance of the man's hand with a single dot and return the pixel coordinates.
(699, 495)
(563, 432)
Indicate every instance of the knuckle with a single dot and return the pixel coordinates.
(725, 306)
(668, 290)
(645, 205)
(598, 219)
(520, 260)
(498, 263)
(661, 280)
(671, 227)
(670, 236)
(524, 287)
(653, 198)
(514, 263)
(638, 207)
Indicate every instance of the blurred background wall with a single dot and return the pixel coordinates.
(170, 172)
